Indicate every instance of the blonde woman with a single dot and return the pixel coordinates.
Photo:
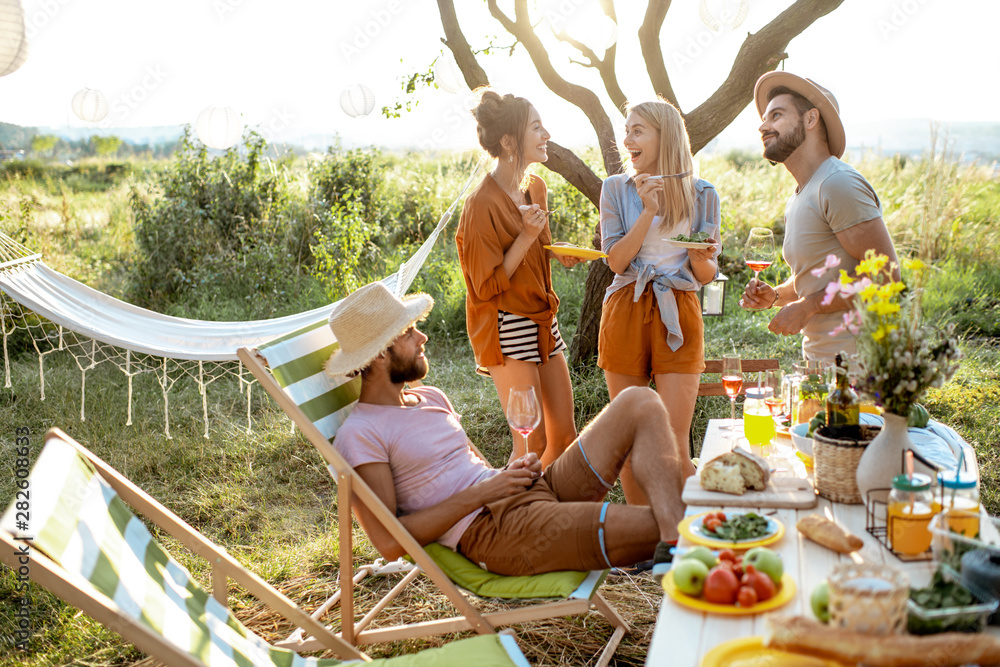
(510, 306)
(651, 326)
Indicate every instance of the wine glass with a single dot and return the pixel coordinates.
(759, 251)
(732, 382)
(523, 411)
(774, 378)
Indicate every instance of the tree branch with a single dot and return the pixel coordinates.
(564, 162)
(652, 53)
(760, 53)
(581, 97)
(455, 40)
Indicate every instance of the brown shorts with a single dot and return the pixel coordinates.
(633, 339)
(557, 524)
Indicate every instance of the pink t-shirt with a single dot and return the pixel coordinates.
(425, 447)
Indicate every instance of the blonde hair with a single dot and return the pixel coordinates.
(674, 158)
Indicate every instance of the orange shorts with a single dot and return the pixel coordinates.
(633, 339)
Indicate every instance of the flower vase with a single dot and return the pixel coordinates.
(883, 458)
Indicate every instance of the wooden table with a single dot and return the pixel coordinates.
(682, 636)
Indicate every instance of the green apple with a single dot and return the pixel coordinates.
(765, 561)
(820, 602)
(704, 554)
(689, 575)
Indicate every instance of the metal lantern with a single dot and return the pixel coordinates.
(713, 297)
(13, 41)
(219, 127)
(90, 105)
(358, 100)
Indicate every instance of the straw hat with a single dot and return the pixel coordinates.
(817, 95)
(368, 321)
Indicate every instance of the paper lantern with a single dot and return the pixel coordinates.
(447, 74)
(90, 105)
(358, 100)
(219, 127)
(719, 14)
(13, 42)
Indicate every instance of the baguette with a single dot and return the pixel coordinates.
(821, 530)
(948, 649)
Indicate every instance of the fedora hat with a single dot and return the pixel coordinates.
(367, 321)
(817, 95)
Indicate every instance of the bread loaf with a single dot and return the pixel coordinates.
(821, 530)
(948, 649)
(735, 472)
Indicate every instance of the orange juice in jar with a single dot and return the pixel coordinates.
(960, 502)
(911, 508)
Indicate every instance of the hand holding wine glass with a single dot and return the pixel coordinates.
(732, 382)
(759, 252)
(523, 411)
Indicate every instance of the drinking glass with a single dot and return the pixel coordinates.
(774, 378)
(732, 381)
(759, 251)
(523, 411)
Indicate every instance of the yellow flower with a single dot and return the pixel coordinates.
(845, 278)
(914, 264)
(889, 290)
(883, 308)
(868, 293)
(879, 334)
(872, 264)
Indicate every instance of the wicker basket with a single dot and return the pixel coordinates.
(835, 461)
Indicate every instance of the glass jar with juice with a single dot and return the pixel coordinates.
(911, 508)
(960, 502)
(758, 424)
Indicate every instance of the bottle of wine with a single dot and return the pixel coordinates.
(842, 404)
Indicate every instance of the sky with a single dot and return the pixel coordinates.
(284, 66)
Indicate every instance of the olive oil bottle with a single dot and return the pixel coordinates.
(842, 404)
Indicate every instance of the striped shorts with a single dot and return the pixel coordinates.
(519, 337)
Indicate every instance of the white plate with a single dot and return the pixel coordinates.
(688, 244)
(690, 527)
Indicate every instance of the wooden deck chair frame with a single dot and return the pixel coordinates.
(747, 365)
(351, 488)
(80, 593)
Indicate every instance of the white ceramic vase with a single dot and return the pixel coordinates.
(883, 457)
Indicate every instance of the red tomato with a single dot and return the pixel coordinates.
(727, 554)
(721, 586)
(711, 524)
(746, 597)
(760, 582)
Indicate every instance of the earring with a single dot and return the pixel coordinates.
(511, 159)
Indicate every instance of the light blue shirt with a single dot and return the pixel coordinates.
(620, 208)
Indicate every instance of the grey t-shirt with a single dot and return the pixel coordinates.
(835, 198)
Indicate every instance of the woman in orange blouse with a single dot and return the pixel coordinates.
(510, 307)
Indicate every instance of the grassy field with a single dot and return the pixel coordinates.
(265, 495)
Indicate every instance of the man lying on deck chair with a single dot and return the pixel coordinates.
(408, 446)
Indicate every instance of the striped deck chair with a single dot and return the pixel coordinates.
(290, 368)
(79, 539)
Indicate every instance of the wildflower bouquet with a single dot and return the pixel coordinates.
(899, 356)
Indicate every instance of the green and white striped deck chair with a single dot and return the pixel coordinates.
(70, 529)
(290, 368)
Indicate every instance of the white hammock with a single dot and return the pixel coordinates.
(94, 326)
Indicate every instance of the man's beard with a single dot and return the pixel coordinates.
(406, 370)
(784, 146)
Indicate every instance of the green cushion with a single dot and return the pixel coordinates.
(481, 651)
(486, 584)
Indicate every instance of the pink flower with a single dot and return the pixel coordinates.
(831, 262)
(850, 323)
(832, 289)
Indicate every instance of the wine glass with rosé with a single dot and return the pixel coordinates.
(759, 252)
(732, 382)
(523, 412)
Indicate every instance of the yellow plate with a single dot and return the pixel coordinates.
(751, 652)
(785, 593)
(576, 251)
(689, 529)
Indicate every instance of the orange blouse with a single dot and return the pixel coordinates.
(489, 224)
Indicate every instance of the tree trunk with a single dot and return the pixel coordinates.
(584, 345)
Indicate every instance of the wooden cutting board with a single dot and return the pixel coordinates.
(794, 492)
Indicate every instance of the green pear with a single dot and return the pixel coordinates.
(820, 602)
(704, 554)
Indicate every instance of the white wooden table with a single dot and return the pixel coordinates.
(682, 636)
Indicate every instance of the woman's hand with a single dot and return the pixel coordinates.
(649, 190)
(533, 218)
(703, 254)
(569, 261)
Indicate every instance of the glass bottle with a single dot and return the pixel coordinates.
(960, 502)
(842, 404)
(911, 508)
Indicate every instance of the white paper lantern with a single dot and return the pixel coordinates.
(219, 127)
(90, 105)
(723, 14)
(358, 100)
(447, 74)
(13, 42)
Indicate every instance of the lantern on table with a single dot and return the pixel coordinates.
(219, 127)
(90, 105)
(713, 297)
(13, 41)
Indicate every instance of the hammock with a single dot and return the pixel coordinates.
(98, 328)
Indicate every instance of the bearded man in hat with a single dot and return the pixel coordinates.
(833, 211)
(407, 444)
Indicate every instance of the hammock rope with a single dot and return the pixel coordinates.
(61, 314)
